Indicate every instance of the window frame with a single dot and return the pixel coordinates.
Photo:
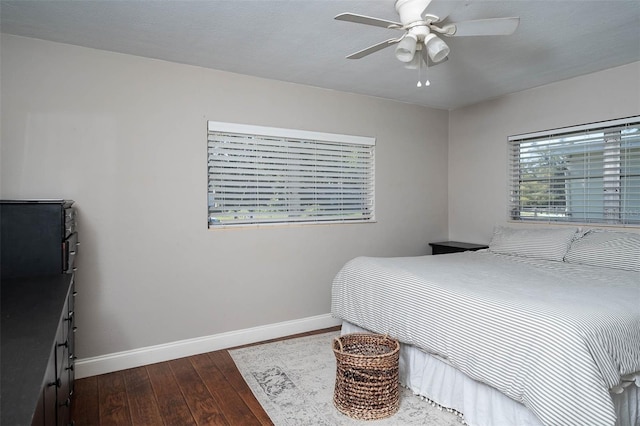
(592, 174)
(301, 143)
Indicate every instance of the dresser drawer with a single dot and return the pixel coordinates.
(70, 249)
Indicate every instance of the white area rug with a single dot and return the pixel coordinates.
(294, 380)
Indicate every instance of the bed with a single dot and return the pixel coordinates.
(542, 328)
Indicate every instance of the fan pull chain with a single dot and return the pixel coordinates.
(426, 81)
(426, 78)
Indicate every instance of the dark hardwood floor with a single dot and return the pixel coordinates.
(204, 389)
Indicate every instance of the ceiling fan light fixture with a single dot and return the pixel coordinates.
(415, 62)
(436, 48)
(406, 49)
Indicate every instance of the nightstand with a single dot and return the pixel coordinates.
(444, 247)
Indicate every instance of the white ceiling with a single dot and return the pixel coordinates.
(299, 41)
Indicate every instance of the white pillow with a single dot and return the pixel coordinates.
(610, 249)
(538, 243)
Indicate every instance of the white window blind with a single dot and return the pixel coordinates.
(585, 174)
(264, 175)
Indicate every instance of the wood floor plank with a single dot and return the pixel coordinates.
(228, 368)
(112, 396)
(85, 406)
(171, 403)
(205, 389)
(232, 405)
(202, 404)
(142, 402)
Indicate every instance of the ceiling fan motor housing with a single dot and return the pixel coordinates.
(411, 10)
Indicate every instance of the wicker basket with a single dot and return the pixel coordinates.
(366, 376)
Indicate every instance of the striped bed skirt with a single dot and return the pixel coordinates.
(481, 405)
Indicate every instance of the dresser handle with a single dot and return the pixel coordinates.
(69, 367)
(65, 344)
(66, 403)
(57, 383)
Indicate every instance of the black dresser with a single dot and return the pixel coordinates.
(38, 246)
(38, 237)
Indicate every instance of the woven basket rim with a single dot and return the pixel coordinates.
(368, 335)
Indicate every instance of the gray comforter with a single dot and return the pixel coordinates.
(535, 330)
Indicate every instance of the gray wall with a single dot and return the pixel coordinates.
(125, 137)
(478, 139)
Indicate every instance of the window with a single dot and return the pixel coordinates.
(265, 175)
(585, 174)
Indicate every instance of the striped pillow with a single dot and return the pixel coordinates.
(610, 249)
(539, 243)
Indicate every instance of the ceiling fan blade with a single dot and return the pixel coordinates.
(483, 27)
(367, 20)
(369, 50)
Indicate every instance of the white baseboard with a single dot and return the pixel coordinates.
(102, 364)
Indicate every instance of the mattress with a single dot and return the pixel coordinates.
(552, 336)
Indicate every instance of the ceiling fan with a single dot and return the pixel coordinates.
(422, 23)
